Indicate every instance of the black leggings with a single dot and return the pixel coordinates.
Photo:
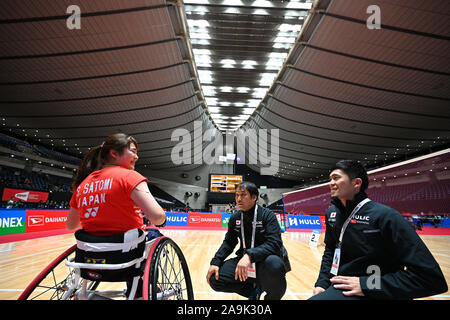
(270, 275)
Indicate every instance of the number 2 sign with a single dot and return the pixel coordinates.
(314, 239)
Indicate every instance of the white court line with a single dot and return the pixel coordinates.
(33, 254)
(441, 254)
(289, 292)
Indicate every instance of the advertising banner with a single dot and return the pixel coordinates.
(200, 219)
(24, 195)
(41, 220)
(12, 221)
(322, 221)
(225, 219)
(177, 219)
(303, 222)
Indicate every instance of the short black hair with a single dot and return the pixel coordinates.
(353, 169)
(249, 186)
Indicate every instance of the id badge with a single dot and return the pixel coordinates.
(336, 259)
(251, 271)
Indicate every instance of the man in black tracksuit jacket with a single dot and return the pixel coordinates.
(379, 248)
(267, 253)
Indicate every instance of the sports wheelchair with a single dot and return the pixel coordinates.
(152, 266)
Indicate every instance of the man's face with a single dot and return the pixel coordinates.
(342, 187)
(244, 200)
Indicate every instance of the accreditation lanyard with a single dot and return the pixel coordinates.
(337, 251)
(251, 272)
(253, 230)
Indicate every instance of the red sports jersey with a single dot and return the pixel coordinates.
(103, 201)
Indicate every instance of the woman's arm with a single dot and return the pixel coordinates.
(144, 200)
(73, 219)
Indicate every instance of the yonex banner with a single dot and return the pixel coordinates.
(12, 221)
(303, 222)
(24, 195)
(177, 219)
(225, 219)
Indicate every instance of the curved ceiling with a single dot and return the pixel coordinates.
(334, 86)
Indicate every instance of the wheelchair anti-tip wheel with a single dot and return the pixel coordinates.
(166, 274)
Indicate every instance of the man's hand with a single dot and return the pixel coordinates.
(212, 269)
(241, 271)
(348, 283)
(318, 290)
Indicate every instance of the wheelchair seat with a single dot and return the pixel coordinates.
(126, 249)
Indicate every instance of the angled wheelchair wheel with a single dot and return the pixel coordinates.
(166, 274)
(53, 282)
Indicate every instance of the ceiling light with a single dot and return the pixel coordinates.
(248, 110)
(261, 12)
(197, 23)
(212, 101)
(259, 92)
(219, 121)
(253, 102)
(285, 39)
(200, 35)
(274, 62)
(248, 64)
(234, 3)
(201, 51)
(205, 76)
(208, 91)
(285, 27)
(243, 89)
(219, 116)
(299, 5)
(203, 42)
(214, 109)
(267, 79)
(196, 1)
(226, 89)
(261, 3)
(228, 63)
(278, 55)
(279, 45)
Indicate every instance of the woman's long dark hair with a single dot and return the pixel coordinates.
(97, 156)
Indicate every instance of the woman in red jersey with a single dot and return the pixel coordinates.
(107, 190)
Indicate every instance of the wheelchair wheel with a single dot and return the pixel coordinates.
(52, 283)
(166, 274)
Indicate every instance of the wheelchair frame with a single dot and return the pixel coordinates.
(160, 255)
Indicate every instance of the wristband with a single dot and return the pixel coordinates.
(162, 225)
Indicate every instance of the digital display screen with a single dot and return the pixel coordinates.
(224, 183)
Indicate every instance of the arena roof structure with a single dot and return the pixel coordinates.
(339, 79)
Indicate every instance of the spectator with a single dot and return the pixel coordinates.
(11, 203)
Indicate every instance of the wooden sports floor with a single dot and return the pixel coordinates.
(21, 261)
